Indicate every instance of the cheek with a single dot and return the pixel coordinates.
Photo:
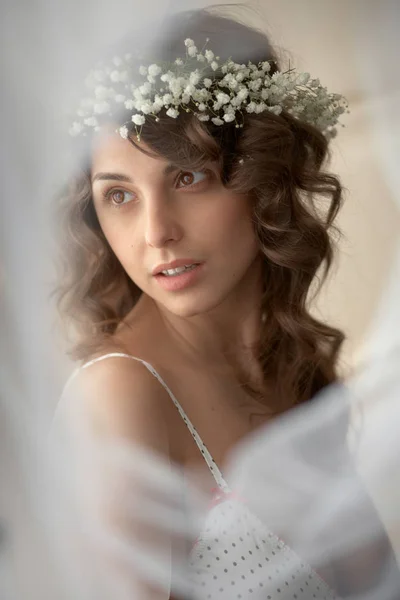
(120, 239)
(234, 226)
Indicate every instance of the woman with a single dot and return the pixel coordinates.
(194, 240)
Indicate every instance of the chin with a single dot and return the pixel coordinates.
(193, 305)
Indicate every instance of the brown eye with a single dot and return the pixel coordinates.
(119, 197)
(187, 178)
(190, 178)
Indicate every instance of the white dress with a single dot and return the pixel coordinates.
(235, 555)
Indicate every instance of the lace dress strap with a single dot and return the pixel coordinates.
(216, 473)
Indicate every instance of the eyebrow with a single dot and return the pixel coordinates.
(119, 177)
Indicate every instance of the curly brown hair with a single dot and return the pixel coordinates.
(278, 162)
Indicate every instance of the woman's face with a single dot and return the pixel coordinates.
(152, 212)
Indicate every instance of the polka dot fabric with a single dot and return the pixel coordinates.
(236, 557)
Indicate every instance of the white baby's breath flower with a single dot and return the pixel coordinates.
(138, 119)
(255, 85)
(101, 107)
(230, 81)
(101, 92)
(167, 99)
(202, 95)
(290, 85)
(229, 117)
(260, 107)
(135, 91)
(145, 89)
(91, 122)
(303, 78)
(256, 74)
(237, 66)
(275, 90)
(242, 94)
(275, 109)
(194, 77)
(278, 79)
(223, 98)
(154, 70)
(190, 89)
(303, 97)
(76, 128)
(158, 101)
(172, 112)
(146, 107)
(114, 75)
(251, 107)
(123, 131)
(236, 102)
(175, 88)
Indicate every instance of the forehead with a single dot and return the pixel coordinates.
(111, 152)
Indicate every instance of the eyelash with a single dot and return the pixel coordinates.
(107, 193)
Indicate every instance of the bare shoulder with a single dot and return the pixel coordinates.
(118, 396)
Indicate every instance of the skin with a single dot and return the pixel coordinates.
(156, 218)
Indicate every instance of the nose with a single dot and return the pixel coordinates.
(161, 223)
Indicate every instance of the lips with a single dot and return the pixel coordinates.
(180, 262)
(187, 268)
(181, 281)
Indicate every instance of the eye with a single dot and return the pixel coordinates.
(189, 178)
(118, 197)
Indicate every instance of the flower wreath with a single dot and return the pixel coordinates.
(183, 85)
